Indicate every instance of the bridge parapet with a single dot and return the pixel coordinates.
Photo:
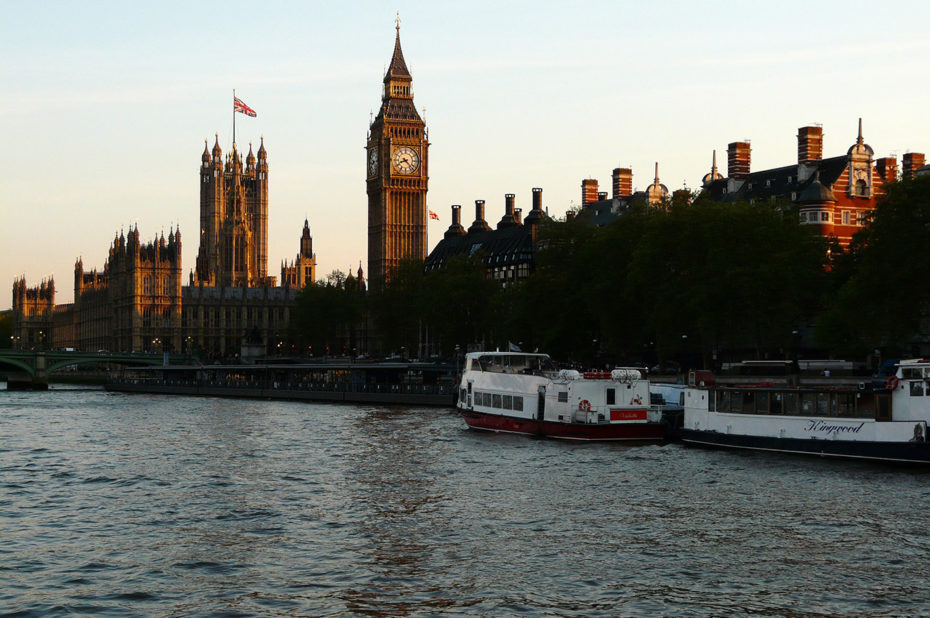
(29, 370)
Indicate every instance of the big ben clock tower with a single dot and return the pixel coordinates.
(396, 162)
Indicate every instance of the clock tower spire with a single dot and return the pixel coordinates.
(397, 156)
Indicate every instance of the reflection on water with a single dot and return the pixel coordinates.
(155, 505)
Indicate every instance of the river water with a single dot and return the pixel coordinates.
(153, 505)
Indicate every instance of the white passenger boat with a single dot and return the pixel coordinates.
(524, 393)
(887, 423)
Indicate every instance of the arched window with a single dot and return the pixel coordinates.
(862, 188)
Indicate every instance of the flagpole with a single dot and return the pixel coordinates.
(234, 116)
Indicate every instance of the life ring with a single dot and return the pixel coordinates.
(584, 405)
(891, 383)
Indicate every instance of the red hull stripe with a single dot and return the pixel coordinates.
(572, 431)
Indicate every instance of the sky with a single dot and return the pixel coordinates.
(106, 106)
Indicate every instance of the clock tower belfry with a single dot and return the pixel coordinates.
(396, 157)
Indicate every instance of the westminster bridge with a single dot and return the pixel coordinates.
(29, 369)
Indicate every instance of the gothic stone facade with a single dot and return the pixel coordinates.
(397, 163)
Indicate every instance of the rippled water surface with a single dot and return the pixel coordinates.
(134, 504)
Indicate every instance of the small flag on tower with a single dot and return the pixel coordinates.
(242, 108)
(433, 215)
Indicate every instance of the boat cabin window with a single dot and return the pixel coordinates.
(823, 404)
(917, 389)
(497, 401)
(762, 403)
(851, 404)
(911, 373)
(508, 402)
(563, 396)
(518, 403)
(845, 404)
(612, 396)
(775, 405)
(790, 403)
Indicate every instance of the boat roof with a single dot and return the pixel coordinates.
(501, 354)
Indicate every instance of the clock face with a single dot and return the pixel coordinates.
(406, 160)
(372, 161)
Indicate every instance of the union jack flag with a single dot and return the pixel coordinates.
(433, 215)
(242, 108)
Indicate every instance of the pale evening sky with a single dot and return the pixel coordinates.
(106, 105)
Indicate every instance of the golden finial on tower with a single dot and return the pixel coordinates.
(397, 20)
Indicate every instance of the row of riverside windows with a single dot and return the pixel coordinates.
(823, 216)
(794, 403)
(501, 402)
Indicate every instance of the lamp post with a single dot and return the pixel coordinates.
(457, 348)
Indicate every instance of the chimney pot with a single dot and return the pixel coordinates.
(738, 159)
(588, 191)
(911, 162)
(810, 144)
(887, 169)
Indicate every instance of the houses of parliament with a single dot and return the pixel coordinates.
(138, 301)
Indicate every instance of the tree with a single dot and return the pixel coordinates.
(726, 276)
(328, 313)
(459, 302)
(884, 300)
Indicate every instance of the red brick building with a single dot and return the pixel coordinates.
(835, 194)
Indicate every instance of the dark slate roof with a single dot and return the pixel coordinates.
(779, 182)
(401, 108)
(816, 192)
(504, 247)
(604, 212)
(398, 67)
(397, 109)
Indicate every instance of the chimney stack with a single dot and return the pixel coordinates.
(535, 215)
(738, 155)
(810, 144)
(601, 195)
(588, 191)
(912, 161)
(507, 220)
(456, 228)
(479, 225)
(518, 216)
(887, 169)
(623, 182)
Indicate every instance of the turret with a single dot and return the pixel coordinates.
(306, 241)
(217, 152)
(713, 174)
(657, 192)
(250, 160)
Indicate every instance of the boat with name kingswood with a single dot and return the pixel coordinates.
(525, 393)
(886, 422)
